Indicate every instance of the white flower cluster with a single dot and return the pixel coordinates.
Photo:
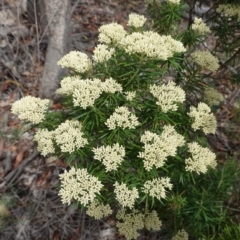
(200, 27)
(78, 184)
(151, 221)
(111, 86)
(230, 10)
(98, 210)
(157, 187)
(167, 96)
(111, 156)
(212, 96)
(129, 223)
(136, 20)
(201, 159)
(181, 235)
(102, 53)
(125, 196)
(206, 60)
(77, 61)
(31, 108)
(86, 92)
(69, 137)
(203, 118)
(111, 33)
(158, 148)
(152, 45)
(44, 140)
(68, 84)
(122, 118)
(174, 1)
(130, 95)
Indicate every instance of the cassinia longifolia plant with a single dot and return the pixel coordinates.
(134, 124)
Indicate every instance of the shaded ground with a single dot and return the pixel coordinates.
(28, 182)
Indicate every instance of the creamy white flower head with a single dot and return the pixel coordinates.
(98, 210)
(130, 95)
(151, 221)
(181, 235)
(122, 118)
(157, 187)
(110, 156)
(230, 10)
(174, 1)
(77, 61)
(102, 53)
(152, 45)
(68, 84)
(31, 108)
(44, 139)
(206, 60)
(203, 118)
(212, 96)
(202, 158)
(136, 20)
(112, 32)
(125, 196)
(111, 86)
(129, 223)
(200, 27)
(158, 147)
(86, 92)
(78, 184)
(69, 136)
(167, 96)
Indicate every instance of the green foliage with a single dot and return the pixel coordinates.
(231, 231)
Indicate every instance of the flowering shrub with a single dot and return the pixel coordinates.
(135, 140)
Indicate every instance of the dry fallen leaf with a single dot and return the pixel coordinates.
(19, 158)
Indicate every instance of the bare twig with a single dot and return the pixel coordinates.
(74, 6)
(48, 24)
(10, 178)
(36, 26)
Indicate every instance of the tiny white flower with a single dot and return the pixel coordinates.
(158, 147)
(152, 45)
(102, 53)
(125, 196)
(122, 118)
(200, 27)
(78, 184)
(168, 95)
(181, 235)
(69, 137)
(201, 158)
(206, 60)
(157, 187)
(203, 118)
(111, 156)
(44, 139)
(98, 210)
(31, 108)
(136, 20)
(77, 61)
(128, 224)
(112, 32)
